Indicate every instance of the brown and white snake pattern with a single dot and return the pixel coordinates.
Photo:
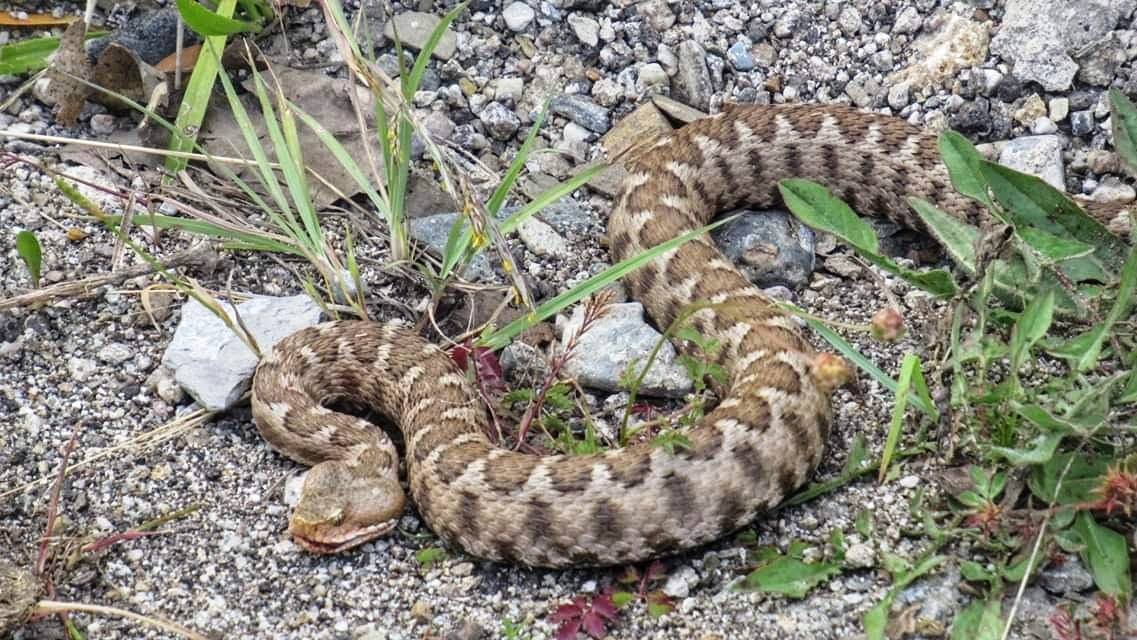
(759, 444)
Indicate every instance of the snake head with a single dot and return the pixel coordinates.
(341, 508)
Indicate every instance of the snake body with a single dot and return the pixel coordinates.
(759, 444)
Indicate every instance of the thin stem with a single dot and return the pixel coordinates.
(54, 606)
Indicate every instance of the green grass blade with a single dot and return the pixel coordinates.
(501, 337)
(27, 247)
(208, 23)
(856, 357)
(198, 89)
(493, 205)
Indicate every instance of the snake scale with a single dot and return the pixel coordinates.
(759, 444)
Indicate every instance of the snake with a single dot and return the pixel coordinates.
(761, 441)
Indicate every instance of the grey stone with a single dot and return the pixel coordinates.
(208, 359)
(518, 16)
(582, 111)
(1036, 36)
(908, 20)
(680, 582)
(433, 231)
(652, 76)
(849, 20)
(770, 247)
(1082, 122)
(692, 83)
(501, 123)
(414, 29)
(658, 14)
(938, 595)
(542, 239)
(860, 556)
(1068, 575)
(612, 344)
(586, 29)
(115, 353)
(1037, 155)
(1098, 66)
(898, 95)
(739, 56)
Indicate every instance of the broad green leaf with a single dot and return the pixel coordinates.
(962, 161)
(429, 556)
(1106, 555)
(1079, 484)
(957, 237)
(208, 23)
(22, 56)
(819, 209)
(1031, 326)
(1129, 392)
(1041, 449)
(1123, 122)
(1085, 349)
(981, 620)
(1052, 247)
(790, 577)
(814, 205)
(621, 598)
(1030, 201)
(27, 247)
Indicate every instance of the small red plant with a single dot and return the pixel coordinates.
(592, 616)
(483, 361)
(658, 603)
(1118, 491)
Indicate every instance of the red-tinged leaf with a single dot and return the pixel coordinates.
(566, 612)
(644, 410)
(567, 631)
(594, 625)
(603, 605)
(485, 363)
(631, 574)
(654, 572)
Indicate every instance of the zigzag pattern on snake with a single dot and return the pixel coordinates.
(758, 445)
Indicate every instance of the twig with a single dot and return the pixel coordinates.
(53, 503)
(54, 606)
(1037, 547)
(195, 255)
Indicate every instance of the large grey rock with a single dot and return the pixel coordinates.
(1038, 36)
(208, 359)
(414, 29)
(622, 336)
(1037, 155)
(770, 247)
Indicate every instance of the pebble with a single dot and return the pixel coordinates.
(582, 111)
(692, 82)
(739, 56)
(1037, 155)
(518, 16)
(414, 29)
(587, 29)
(613, 342)
(500, 122)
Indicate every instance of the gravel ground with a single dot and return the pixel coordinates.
(91, 366)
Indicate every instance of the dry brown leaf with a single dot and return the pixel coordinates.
(169, 64)
(70, 59)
